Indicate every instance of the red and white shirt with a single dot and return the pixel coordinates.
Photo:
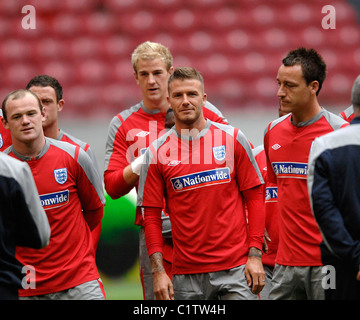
(204, 182)
(287, 148)
(348, 114)
(73, 200)
(130, 133)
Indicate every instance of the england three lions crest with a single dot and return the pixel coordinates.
(61, 175)
(219, 153)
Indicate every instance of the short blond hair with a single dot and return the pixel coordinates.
(149, 51)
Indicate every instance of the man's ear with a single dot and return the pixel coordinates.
(61, 104)
(204, 98)
(314, 86)
(136, 77)
(5, 123)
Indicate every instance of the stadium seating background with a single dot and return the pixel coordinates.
(237, 45)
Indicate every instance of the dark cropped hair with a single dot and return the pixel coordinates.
(45, 81)
(312, 64)
(186, 73)
(15, 95)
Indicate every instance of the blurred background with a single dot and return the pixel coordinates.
(237, 45)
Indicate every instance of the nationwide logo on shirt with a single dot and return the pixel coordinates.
(201, 179)
(290, 169)
(271, 194)
(54, 200)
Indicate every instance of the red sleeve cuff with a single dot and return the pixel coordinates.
(256, 216)
(153, 229)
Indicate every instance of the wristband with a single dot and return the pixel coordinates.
(136, 165)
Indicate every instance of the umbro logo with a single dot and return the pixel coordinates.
(276, 146)
(173, 163)
(142, 134)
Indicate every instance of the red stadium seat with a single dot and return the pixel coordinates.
(63, 71)
(13, 49)
(100, 23)
(19, 74)
(93, 71)
(66, 25)
(85, 47)
(116, 47)
(120, 6)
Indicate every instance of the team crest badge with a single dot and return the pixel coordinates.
(1, 140)
(178, 185)
(61, 175)
(219, 153)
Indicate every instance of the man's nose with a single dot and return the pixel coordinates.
(281, 91)
(151, 78)
(185, 100)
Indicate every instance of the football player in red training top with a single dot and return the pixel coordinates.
(133, 130)
(287, 143)
(50, 93)
(205, 171)
(73, 200)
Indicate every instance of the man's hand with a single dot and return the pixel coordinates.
(254, 271)
(163, 287)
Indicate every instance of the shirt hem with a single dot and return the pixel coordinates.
(36, 292)
(216, 269)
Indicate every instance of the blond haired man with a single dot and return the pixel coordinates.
(133, 130)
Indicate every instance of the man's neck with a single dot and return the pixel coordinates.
(30, 149)
(51, 132)
(306, 114)
(191, 129)
(162, 105)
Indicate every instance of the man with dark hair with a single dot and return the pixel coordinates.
(287, 141)
(334, 190)
(312, 64)
(206, 173)
(50, 93)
